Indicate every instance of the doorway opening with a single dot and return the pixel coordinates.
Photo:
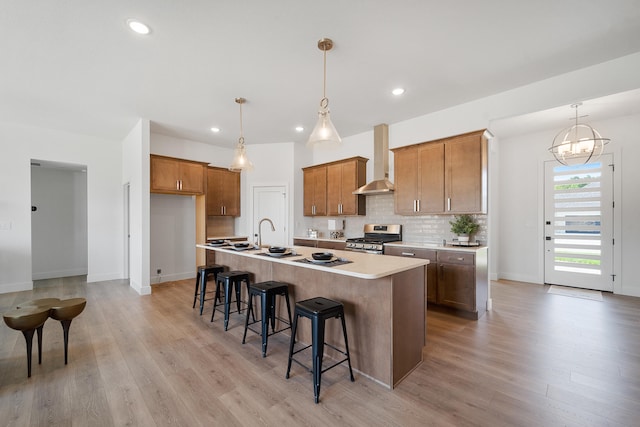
(59, 243)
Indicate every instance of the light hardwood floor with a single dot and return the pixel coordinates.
(536, 360)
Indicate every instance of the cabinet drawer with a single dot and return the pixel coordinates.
(305, 242)
(448, 257)
(421, 253)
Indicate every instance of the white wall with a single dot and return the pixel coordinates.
(135, 173)
(19, 145)
(272, 167)
(173, 236)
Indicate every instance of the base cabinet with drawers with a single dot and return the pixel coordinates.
(322, 244)
(455, 279)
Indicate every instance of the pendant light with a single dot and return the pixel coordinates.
(240, 161)
(324, 132)
(578, 144)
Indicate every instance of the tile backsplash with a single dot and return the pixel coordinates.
(415, 229)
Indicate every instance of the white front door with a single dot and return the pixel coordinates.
(579, 224)
(271, 202)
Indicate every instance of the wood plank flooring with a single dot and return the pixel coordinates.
(537, 359)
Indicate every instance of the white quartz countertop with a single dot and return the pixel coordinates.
(363, 265)
(436, 246)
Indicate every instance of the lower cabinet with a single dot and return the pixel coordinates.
(323, 244)
(431, 279)
(455, 279)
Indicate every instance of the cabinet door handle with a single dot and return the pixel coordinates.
(418, 205)
(448, 203)
(414, 205)
(408, 254)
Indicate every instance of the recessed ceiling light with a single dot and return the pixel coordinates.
(299, 129)
(397, 91)
(138, 26)
(215, 129)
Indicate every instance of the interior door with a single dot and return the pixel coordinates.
(271, 202)
(579, 224)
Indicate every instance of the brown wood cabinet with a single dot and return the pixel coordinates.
(176, 176)
(431, 278)
(463, 281)
(223, 192)
(315, 190)
(342, 179)
(323, 244)
(446, 176)
(454, 279)
(328, 188)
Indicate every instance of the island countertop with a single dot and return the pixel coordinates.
(362, 265)
(383, 298)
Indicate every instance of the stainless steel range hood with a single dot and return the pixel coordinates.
(380, 183)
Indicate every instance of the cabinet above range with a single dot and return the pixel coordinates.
(329, 187)
(445, 176)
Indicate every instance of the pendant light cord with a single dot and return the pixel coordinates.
(324, 102)
(241, 139)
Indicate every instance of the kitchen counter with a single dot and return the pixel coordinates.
(363, 265)
(383, 300)
(436, 246)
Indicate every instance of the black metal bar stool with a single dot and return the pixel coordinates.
(227, 280)
(318, 310)
(201, 282)
(267, 291)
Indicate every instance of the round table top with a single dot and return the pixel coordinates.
(26, 318)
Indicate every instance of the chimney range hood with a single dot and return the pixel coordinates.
(380, 183)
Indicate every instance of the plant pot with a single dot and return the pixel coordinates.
(463, 239)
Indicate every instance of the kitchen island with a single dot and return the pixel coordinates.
(383, 300)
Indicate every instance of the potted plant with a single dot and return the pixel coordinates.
(464, 226)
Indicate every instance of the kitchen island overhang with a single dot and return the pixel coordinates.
(383, 297)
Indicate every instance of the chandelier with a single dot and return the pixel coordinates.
(578, 144)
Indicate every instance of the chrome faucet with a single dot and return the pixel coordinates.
(260, 230)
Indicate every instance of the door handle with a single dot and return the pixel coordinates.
(548, 238)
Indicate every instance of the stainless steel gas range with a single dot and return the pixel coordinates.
(375, 235)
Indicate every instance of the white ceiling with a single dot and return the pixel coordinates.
(73, 64)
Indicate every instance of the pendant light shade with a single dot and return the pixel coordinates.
(324, 133)
(578, 144)
(240, 161)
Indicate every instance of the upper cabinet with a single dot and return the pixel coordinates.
(176, 176)
(223, 192)
(343, 178)
(315, 190)
(447, 176)
(328, 188)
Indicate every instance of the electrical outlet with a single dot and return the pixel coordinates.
(159, 271)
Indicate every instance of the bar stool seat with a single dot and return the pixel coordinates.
(201, 282)
(28, 320)
(65, 311)
(267, 291)
(225, 282)
(318, 310)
